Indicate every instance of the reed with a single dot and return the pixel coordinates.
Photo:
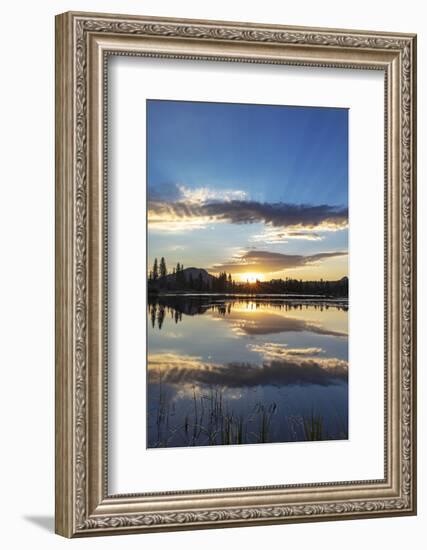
(313, 427)
(211, 420)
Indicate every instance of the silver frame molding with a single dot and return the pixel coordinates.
(83, 43)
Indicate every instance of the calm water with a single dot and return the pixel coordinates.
(238, 370)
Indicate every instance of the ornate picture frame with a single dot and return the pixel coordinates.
(84, 42)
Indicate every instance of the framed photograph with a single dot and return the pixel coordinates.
(235, 274)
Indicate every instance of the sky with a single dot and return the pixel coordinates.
(258, 191)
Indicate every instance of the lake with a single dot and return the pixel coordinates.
(245, 369)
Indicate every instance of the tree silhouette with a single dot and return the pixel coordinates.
(163, 268)
(160, 317)
(181, 280)
(155, 270)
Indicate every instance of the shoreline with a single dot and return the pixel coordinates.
(282, 296)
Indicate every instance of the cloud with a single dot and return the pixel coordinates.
(270, 350)
(261, 323)
(187, 370)
(172, 205)
(201, 195)
(176, 192)
(323, 217)
(254, 261)
(177, 247)
(280, 236)
(175, 208)
(279, 214)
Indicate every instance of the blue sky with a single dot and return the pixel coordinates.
(229, 184)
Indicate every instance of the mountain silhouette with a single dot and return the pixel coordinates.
(188, 274)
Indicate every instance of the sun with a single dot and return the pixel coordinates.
(251, 277)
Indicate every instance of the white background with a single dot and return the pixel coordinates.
(27, 274)
(132, 80)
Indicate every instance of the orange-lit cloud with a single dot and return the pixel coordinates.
(175, 207)
(282, 351)
(258, 322)
(260, 261)
(184, 370)
(272, 235)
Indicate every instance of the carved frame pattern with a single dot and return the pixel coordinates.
(76, 515)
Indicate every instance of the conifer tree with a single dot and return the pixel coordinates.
(163, 268)
(155, 270)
